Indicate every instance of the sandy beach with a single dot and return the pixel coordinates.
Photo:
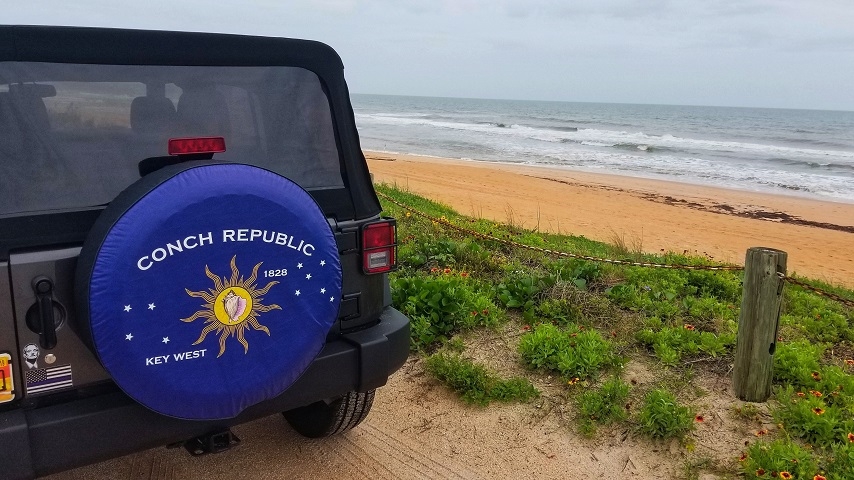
(649, 215)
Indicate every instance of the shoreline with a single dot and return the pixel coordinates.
(392, 156)
(646, 214)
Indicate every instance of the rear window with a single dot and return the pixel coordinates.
(72, 136)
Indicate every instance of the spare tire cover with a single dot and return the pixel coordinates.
(209, 288)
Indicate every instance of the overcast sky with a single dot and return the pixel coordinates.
(766, 53)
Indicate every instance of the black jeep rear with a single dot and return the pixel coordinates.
(110, 139)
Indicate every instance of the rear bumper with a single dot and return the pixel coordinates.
(51, 439)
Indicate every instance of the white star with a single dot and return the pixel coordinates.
(308, 276)
(331, 299)
(127, 308)
(322, 263)
(151, 306)
(299, 265)
(297, 293)
(165, 339)
(322, 290)
(128, 337)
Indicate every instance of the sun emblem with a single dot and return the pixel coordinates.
(233, 305)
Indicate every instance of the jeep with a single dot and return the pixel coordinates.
(189, 240)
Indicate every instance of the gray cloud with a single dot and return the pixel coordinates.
(782, 53)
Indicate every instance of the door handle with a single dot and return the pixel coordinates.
(46, 322)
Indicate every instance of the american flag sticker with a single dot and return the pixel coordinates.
(41, 380)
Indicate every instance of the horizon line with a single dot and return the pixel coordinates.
(602, 102)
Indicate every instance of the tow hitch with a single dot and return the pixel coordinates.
(214, 442)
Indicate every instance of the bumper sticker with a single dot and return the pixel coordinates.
(43, 380)
(7, 384)
(31, 355)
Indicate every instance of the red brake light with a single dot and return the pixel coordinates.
(379, 246)
(186, 146)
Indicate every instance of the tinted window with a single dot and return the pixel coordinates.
(72, 136)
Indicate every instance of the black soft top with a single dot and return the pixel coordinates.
(84, 45)
(146, 47)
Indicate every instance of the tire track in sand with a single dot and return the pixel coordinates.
(375, 454)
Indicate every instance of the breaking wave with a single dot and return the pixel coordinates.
(785, 161)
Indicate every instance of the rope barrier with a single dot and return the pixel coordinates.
(511, 243)
(555, 252)
(817, 291)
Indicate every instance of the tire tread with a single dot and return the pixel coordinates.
(323, 420)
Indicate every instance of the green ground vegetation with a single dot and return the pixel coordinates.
(603, 406)
(582, 321)
(475, 383)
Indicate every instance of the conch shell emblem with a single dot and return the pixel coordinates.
(234, 306)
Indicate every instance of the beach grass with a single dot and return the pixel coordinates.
(584, 321)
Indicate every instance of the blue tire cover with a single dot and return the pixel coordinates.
(209, 288)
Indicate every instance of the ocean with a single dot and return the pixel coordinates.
(808, 153)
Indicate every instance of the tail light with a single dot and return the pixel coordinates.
(379, 246)
(188, 146)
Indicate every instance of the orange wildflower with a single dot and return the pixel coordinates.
(760, 472)
(818, 411)
(850, 362)
(816, 376)
(785, 475)
(762, 433)
(819, 477)
(802, 394)
(464, 274)
(447, 271)
(700, 418)
(485, 312)
(851, 437)
(688, 326)
(743, 457)
(816, 393)
(573, 381)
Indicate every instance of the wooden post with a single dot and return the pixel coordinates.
(758, 322)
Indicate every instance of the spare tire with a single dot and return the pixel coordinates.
(205, 288)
